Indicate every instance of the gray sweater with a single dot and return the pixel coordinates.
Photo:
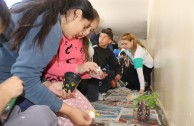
(29, 62)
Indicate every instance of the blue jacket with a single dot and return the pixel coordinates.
(29, 62)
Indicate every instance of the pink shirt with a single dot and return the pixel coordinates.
(70, 55)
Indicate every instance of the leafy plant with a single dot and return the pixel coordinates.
(149, 99)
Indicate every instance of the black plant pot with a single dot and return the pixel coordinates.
(71, 81)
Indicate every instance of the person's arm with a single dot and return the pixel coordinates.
(4, 99)
(114, 65)
(58, 68)
(141, 78)
(30, 63)
(138, 64)
(10, 88)
(77, 116)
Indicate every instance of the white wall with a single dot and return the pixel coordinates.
(123, 16)
(171, 42)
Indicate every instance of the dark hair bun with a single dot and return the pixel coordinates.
(109, 29)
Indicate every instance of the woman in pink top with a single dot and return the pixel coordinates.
(70, 57)
(73, 55)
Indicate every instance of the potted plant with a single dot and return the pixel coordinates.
(143, 104)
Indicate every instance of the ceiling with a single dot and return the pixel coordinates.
(120, 15)
(123, 16)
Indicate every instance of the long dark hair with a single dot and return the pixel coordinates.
(5, 16)
(50, 9)
(86, 47)
(86, 39)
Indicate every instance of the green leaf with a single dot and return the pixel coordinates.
(149, 99)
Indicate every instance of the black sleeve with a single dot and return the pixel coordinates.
(114, 63)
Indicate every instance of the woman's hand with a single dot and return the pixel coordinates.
(87, 67)
(78, 117)
(12, 87)
(9, 89)
(102, 74)
(141, 92)
(57, 89)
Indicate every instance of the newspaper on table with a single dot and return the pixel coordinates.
(120, 90)
(108, 123)
(107, 112)
(100, 123)
(116, 110)
(124, 116)
(129, 116)
(122, 94)
(125, 104)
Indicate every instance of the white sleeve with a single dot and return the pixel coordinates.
(141, 78)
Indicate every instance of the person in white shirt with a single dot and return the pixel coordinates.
(137, 75)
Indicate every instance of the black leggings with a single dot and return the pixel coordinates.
(131, 77)
(89, 88)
